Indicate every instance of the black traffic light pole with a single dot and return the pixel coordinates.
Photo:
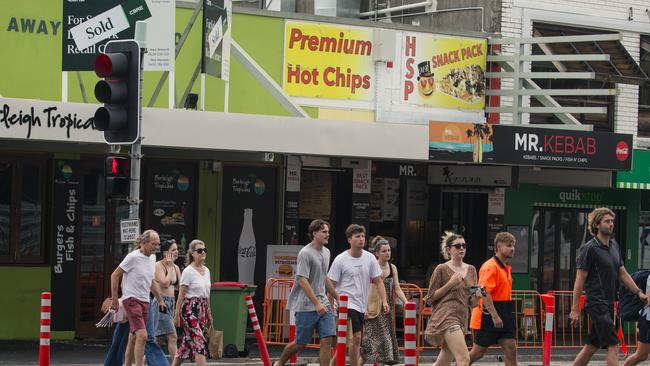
(136, 148)
(120, 91)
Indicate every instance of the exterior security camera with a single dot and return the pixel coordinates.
(269, 157)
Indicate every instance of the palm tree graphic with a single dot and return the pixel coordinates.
(476, 136)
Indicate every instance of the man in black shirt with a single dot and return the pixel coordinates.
(599, 268)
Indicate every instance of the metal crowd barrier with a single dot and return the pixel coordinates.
(528, 310)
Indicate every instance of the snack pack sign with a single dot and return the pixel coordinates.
(442, 71)
(328, 61)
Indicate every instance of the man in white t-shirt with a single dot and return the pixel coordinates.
(351, 273)
(136, 272)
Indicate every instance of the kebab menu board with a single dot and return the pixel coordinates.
(171, 192)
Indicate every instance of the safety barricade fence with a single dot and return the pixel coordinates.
(528, 310)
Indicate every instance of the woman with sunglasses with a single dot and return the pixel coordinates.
(167, 276)
(193, 307)
(449, 296)
(378, 342)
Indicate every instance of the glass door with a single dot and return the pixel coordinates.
(91, 289)
(100, 250)
(466, 213)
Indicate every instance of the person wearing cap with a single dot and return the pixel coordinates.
(493, 320)
(167, 276)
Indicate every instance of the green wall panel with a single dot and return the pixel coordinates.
(21, 289)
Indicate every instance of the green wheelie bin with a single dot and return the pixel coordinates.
(230, 315)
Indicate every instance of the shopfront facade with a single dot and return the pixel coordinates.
(220, 176)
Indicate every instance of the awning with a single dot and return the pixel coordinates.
(621, 67)
(639, 176)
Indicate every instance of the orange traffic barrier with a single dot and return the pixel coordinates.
(528, 310)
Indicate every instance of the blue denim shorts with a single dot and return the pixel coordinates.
(163, 323)
(307, 321)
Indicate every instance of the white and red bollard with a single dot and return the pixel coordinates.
(410, 334)
(549, 304)
(46, 310)
(292, 330)
(342, 331)
(261, 344)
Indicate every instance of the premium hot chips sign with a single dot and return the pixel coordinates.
(328, 61)
(441, 71)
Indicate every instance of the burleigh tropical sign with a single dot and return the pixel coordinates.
(42, 120)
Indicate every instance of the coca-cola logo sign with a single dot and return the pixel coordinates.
(247, 252)
(622, 151)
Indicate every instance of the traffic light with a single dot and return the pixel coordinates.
(119, 118)
(118, 175)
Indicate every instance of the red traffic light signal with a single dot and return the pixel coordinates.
(117, 166)
(117, 173)
(119, 118)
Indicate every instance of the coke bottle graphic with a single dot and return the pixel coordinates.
(246, 251)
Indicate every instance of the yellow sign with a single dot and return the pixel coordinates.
(440, 71)
(328, 61)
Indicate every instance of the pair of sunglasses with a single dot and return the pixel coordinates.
(459, 246)
(201, 250)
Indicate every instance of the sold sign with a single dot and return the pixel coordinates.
(109, 23)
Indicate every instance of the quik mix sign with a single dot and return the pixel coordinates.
(513, 145)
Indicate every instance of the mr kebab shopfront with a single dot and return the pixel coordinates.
(559, 176)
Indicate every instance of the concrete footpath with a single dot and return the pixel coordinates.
(91, 353)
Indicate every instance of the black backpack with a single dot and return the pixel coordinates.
(629, 303)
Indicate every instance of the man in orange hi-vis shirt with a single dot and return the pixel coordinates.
(493, 320)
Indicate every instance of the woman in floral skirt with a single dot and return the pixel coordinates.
(379, 343)
(193, 307)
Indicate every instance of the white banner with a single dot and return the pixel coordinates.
(161, 48)
(100, 27)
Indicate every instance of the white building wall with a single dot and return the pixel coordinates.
(517, 19)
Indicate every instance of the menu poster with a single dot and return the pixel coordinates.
(391, 199)
(417, 199)
(377, 200)
(281, 262)
(361, 210)
(171, 201)
(292, 201)
(315, 195)
(66, 220)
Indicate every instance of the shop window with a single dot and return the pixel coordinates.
(21, 212)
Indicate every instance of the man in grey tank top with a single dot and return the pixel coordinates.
(308, 298)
